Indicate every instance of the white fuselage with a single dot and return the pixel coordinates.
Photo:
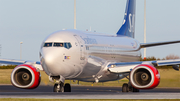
(87, 56)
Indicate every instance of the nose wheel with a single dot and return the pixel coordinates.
(58, 87)
(62, 88)
(67, 87)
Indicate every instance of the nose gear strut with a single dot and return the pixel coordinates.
(59, 84)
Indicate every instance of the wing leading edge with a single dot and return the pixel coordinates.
(144, 45)
(127, 67)
(36, 64)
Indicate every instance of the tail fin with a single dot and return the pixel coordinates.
(128, 27)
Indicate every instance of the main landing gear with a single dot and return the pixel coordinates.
(128, 88)
(59, 84)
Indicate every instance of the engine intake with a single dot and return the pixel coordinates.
(25, 76)
(144, 77)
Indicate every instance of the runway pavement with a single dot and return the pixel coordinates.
(88, 92)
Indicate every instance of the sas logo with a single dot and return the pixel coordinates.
(66, 57)
(131, 22)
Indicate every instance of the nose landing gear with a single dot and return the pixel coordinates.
(59, 84)
(67, 87)
(58, 87)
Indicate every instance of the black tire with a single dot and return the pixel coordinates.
(67, 87)
(125, 87)
(55, 88)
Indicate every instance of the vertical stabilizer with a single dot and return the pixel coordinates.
(128, 27)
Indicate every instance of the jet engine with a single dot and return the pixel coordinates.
(25, 76)
(144, 76)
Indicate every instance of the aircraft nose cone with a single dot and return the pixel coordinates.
(52, 62)
(48, 60)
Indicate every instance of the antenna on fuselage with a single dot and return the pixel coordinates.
(74, 14)
(144, 28)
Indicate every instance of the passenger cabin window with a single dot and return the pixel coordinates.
(58, 44)
(67, 45)
(47, 44)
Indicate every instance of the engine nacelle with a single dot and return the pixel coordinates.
(144, 76)
(25, 76)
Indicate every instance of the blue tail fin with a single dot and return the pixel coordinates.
(128, 27)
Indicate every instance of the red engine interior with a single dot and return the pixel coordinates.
(144, 76)
(25, 76)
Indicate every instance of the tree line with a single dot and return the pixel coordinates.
(168, 57)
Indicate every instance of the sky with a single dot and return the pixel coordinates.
(31, 21)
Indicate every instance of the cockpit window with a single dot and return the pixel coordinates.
(58, 44)
(47, 44)
(67, 45)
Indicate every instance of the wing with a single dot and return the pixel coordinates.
(127, 67)
(144, 45)
(36, 64)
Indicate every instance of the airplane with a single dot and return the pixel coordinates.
(84, 56)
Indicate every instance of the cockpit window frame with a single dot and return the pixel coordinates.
(67, 45)
(48, 44)
(58, 44)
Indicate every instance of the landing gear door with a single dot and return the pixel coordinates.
(82, 48)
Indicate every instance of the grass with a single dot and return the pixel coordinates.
(5, 75)
(169, 78)
(10, 99)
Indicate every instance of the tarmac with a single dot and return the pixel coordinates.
(88, 92)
